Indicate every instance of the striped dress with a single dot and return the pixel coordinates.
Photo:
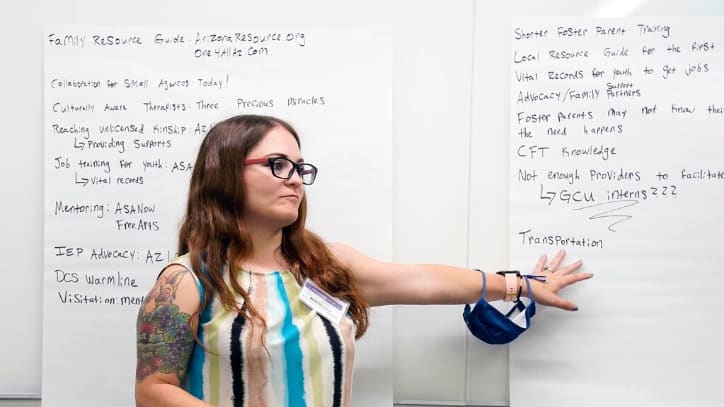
(301, 359)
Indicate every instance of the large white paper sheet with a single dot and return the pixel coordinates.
(125, 110)
(616, 136)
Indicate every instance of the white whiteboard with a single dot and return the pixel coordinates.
(614, 128)
(125, 111)
(491, 157)
(415, 133)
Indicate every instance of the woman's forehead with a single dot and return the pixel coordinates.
(278, 141)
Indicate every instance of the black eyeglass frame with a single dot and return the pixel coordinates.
(302, 168)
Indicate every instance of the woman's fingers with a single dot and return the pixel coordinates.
(557, 259)
(574, 278)
(566, 276)
(541, 263)
(567, 305)
(558, 277)
(570, 268)
(547, 297)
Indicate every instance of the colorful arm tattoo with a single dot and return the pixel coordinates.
(163, 336)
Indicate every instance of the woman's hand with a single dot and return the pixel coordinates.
(557, 277)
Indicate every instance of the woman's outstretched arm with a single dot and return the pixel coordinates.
(385, 283)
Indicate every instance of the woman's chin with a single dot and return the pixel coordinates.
(288, 220)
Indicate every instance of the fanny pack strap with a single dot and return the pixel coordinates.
(484, 283)
(519, 304)
(527, 277)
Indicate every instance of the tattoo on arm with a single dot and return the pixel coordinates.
(163, 336)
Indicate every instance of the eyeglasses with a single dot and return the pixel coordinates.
(284, 168)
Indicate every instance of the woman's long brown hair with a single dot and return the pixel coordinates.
(213, 230)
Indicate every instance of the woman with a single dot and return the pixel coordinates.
(224, 323)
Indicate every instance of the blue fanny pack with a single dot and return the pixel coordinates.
(489, 325)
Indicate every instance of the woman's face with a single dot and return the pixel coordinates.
(271, 201)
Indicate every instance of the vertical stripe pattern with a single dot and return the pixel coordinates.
(237, 364)
(336, 362)
(257, 362)
(300, 360)
(292, 351)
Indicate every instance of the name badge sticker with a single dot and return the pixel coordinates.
(324, 304)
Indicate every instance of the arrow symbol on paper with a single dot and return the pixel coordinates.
(83, 180)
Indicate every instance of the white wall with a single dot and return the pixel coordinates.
(447, 125)
(432, 42)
